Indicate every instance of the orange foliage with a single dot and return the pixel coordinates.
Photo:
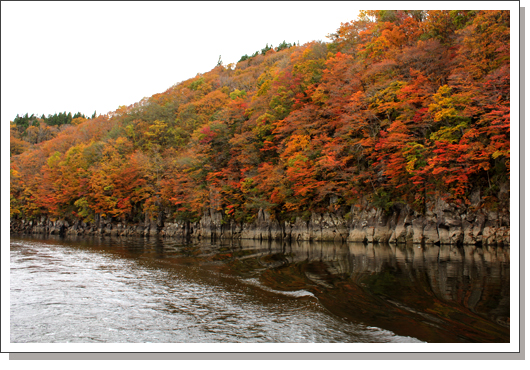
(400, 104)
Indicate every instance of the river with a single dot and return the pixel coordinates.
(136, 290)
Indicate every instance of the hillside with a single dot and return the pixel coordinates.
(399, 109)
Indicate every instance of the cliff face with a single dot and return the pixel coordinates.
(442, 224)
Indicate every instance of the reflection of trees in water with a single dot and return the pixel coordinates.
(432, 282)
(444, 265)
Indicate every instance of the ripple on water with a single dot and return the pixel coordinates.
(65, 294)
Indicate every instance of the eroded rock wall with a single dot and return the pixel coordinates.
(441, 224)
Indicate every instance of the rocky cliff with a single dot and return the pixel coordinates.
(441, 224)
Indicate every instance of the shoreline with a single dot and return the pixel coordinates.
(444, 225)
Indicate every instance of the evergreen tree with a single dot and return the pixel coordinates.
(265, 49)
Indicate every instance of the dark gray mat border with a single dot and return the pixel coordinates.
(354, 356)
(265, 356)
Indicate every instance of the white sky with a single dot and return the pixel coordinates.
(77, 56)
(97, 56)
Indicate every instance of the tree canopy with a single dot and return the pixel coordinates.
(399, 107)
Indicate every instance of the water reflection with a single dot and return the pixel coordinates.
(434, 293)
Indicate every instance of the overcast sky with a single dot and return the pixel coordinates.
(95, 56)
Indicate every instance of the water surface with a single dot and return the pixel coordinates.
(140, 290)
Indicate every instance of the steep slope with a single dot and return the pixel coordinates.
(398, 129)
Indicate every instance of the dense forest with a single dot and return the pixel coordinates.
(33, 130)
(399, 107)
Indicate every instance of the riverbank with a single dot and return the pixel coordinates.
(441, 224)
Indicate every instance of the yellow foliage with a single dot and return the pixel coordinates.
(78, 120)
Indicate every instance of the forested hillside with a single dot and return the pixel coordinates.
(400, 107)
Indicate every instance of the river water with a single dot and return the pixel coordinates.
(136, 290)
